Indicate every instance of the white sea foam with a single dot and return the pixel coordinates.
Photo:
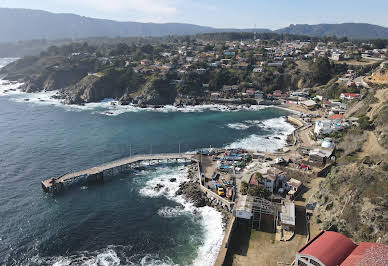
(153, 260)
(108, 106)
(276, 127)
(171, 212)
(211, 219)
(214, 235)
(238, 126)
(105, 257)
(169, 188)
(6, 61)
(279, 126)
(10, 88)
(114, 109)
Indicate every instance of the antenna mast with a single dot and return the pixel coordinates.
(254, 34)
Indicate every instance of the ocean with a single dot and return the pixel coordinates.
(125, 221)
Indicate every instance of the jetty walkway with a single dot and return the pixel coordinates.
(97, 173)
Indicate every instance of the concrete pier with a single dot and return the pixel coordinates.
(97, 173)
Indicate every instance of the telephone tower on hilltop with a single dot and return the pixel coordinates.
(254, 33)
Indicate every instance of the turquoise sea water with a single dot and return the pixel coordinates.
(123, 222)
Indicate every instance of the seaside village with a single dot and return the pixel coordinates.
(239, 72)
(271, 192)
(268, 192)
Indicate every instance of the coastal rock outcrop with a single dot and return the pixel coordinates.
(157, 91)
(46, 73)
(92, 88)
(192, 193)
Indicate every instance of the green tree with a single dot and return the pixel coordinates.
(365, 123)
(321, 70)
(244, 188)
(221, 78)
(380, 44)
(259, 191)
(191, 84)
(258, 177)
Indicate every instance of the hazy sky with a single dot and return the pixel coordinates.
(271, 14)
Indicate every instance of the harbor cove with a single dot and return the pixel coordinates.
(172, 133)
(125, 221)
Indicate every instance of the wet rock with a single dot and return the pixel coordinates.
(192, 193)
(158, 187)
(140, 168)
(173, 179)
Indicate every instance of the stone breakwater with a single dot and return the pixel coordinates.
(191, 191)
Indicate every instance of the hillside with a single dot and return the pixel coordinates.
(350, 30)
(25, 24)
(353, 197)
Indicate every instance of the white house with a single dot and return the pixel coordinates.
(337, 57)
(258, 70)
(349, 96)
(323, 127)
(327, 126)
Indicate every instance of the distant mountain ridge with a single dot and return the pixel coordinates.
(350, 30)
(26, 24)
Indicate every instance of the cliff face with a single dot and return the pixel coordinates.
(46, 73)
(157, 91)
(70, 77)
(354, 196)
(92, 88)
(54, 80)
(354, 199)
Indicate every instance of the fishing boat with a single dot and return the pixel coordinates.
(229, 192)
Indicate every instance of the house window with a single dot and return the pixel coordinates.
(313, 262)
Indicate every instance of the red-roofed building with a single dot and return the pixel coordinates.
(253, 181)
(325, 249)
(337, 116)
(332, 249)
(349, 96)
(368, 254)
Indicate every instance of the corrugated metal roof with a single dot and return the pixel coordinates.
(331, 248)
(368, 254)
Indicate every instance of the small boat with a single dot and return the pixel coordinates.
(229, 192)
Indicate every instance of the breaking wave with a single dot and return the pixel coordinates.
(108, 107)
(210, 219)
(238, 126)
(277, 131)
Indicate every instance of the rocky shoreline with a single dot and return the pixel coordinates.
(191, 191)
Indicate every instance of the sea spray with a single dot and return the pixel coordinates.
(108, 107)
(211, 219)
(278, 129)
